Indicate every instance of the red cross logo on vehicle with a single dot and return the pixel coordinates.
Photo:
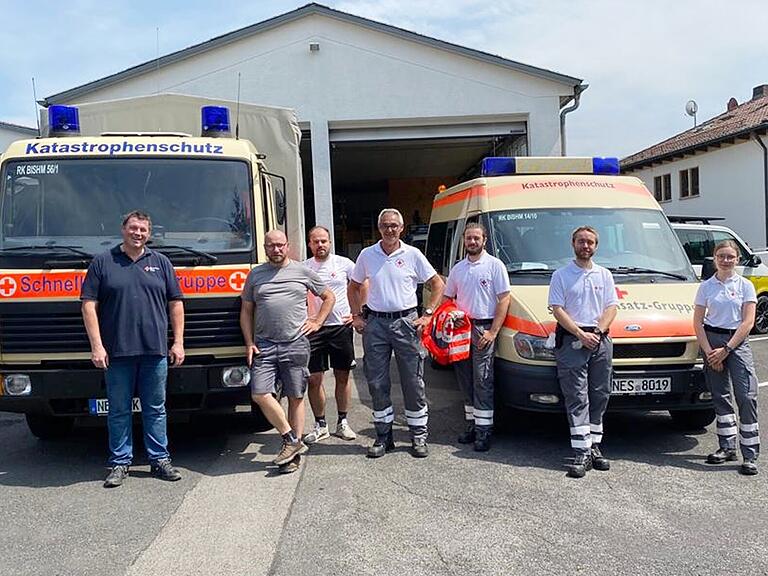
(7, 287)
(621, 293)
(237, 280)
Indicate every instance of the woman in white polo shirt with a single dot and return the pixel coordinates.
(723, 316)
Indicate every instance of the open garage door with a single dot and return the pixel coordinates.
(402, 167)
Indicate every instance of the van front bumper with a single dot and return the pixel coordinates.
(536, 388)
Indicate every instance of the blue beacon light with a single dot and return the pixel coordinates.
(497, 166)
(63, 120)
(215, 121)
(605, 166)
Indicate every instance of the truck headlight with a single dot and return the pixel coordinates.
(532, 347)
(17, 384)
(236, 376)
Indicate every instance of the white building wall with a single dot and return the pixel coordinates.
(359, 75)
(10, 134)
(731, 186)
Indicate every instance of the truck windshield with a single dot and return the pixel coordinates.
(636, 244)
(194, 203)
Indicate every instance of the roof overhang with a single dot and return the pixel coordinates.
(746, 134)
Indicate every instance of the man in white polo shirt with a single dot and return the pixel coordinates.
(390, 322)
(480, 285)
(331, 345)
(583, 300)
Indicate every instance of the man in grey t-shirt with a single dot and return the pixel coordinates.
(273, 318)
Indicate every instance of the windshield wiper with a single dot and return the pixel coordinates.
(20, 250)
(199, 253)
(546, 271)
(638, 270)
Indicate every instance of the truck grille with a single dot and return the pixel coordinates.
(49, 327)
(671, 350)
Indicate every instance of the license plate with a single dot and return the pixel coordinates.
(641, 385)
(100, 406)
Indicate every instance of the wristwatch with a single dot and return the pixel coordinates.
(727, 348)
(428, 311)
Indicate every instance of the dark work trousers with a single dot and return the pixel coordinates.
(739, 372)
(382, 337)
(475, 377)
(585, 381)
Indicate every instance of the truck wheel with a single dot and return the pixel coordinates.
(49, 427)
(692, 419)
(761, 315)
(259, 422)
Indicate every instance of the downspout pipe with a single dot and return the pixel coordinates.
(576, 101)
(760, 142)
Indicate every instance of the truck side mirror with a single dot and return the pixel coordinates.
(708, 268)
(754, 261)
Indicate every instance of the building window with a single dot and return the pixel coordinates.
(689, 182)
(662, 188)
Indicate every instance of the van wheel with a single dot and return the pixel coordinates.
(692, 419)
(761, 315)
(49, 427)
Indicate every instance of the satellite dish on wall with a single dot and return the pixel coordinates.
(691, 108)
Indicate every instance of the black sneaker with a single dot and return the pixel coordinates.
(164, 470)
(748, 467)
(482, 440)
(582, 463)
(381, 446)
(468, 436)
(722, 455)
(419, 447)
(117, 474)
(599, 462)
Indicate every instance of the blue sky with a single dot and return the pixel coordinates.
(643, 60)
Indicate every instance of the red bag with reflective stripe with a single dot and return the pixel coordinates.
(448, 335)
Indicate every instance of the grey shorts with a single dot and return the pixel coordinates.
(284, 361)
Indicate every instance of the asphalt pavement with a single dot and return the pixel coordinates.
(660, 510)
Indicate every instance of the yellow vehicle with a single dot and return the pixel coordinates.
(211, 200)
(530, 207)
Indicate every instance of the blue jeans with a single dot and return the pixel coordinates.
(147, 375)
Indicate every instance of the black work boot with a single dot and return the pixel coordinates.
(599, 462)
(722, 455)
(468, 436)
(419, 447)
(482, 439)
(381, 446)
(582, 463)
(749, 467)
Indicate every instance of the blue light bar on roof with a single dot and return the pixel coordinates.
(605, 165)
(63, 120)
(497, 166)
(215, 121)
(532, 165)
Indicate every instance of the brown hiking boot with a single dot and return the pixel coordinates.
(289, 451)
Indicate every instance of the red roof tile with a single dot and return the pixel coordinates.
(742, 119)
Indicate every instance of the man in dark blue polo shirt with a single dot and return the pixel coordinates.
(128, 295)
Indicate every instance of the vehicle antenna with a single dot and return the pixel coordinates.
(37, 114)
(237, 112)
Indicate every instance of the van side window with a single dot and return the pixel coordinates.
(696, 244)
(718, 236)
(436, 242)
